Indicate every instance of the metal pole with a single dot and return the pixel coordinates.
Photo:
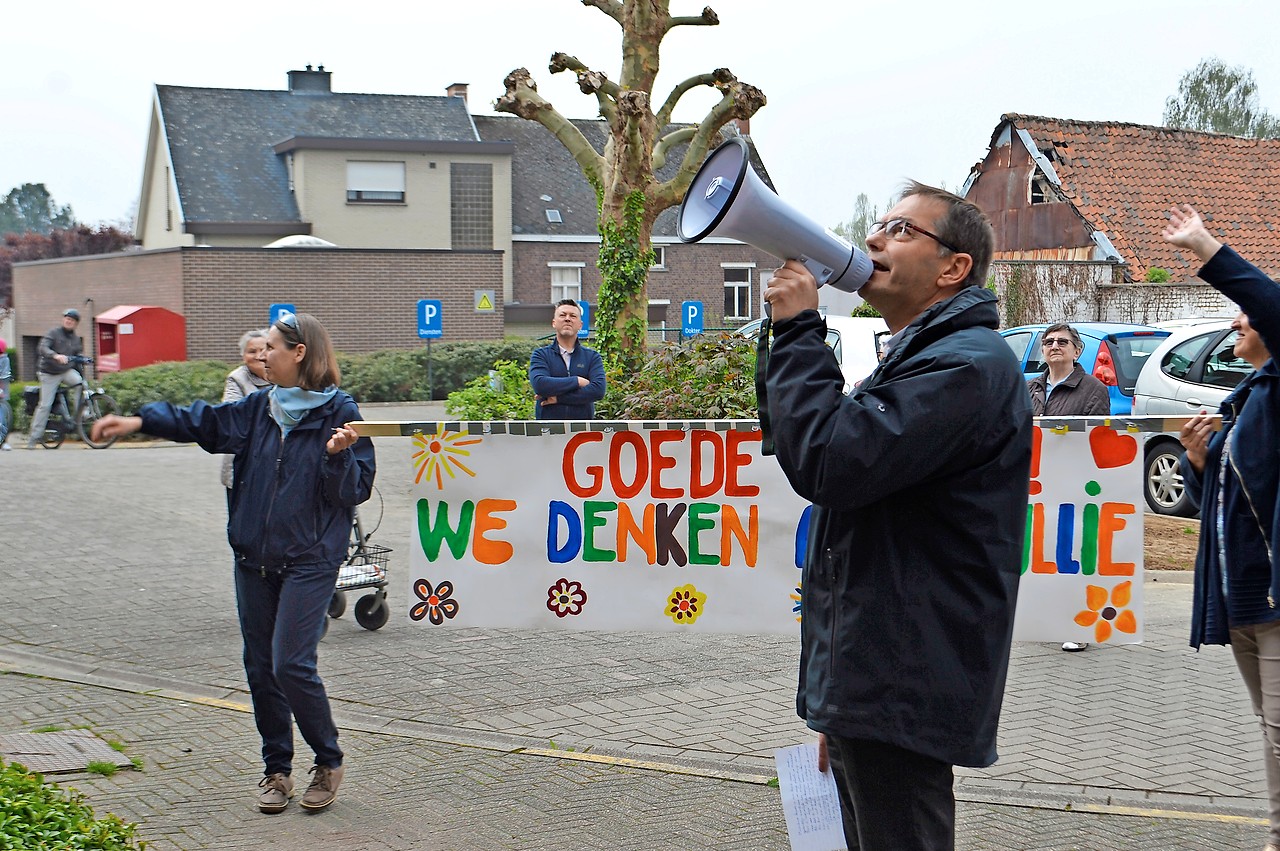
(431, 388)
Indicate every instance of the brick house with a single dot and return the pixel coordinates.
(1078, 208)
(408, 197)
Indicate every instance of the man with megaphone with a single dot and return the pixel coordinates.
(919, 483)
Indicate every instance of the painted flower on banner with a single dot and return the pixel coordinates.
(685, 604)
(796, 603)
(566, 598)
(438, 455)
(436, 603)
(1103, 614)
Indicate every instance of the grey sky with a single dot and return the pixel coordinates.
(859, 100)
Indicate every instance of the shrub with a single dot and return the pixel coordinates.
(179, 382)
(709, 377)
(508, 398)
(1156, 275)
(37, 815)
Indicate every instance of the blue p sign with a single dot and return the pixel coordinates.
(430, 319)
(691, 318)
(278, 310)
(586, 320)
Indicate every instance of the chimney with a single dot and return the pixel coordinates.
(457, 90)
(310, 82)
(743, 125)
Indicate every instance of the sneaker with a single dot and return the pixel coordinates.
(5, 447)
(277, 789)
(323, 788)
(1074, 646)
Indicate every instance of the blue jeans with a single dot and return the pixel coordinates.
(282, 616)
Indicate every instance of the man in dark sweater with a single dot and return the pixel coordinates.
(567, 377)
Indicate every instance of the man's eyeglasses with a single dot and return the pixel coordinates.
(1064, 342)
(901, 228)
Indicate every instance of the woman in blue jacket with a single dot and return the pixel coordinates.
(299, 472)
(1234, 476)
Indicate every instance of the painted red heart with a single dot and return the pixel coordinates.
(1111, 449)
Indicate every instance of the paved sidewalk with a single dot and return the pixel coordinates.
(119, 601)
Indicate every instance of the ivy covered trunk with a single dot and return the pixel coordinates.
(625, 258)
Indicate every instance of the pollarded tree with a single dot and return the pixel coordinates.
(623, 176)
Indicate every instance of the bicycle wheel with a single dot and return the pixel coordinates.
(93, 407)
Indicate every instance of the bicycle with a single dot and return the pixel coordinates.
(91, 405)
(365, 567)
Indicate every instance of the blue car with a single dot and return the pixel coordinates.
(1114, 353)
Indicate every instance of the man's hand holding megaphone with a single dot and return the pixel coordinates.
(792, 289)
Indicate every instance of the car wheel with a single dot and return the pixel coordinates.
(1162, 480)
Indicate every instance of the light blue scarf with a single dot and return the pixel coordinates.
(290, 404)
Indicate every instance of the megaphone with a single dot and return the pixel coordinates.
(728, 198)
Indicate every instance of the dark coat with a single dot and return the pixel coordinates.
(58, 341)
(291, 502)
(919, 482)
(1079, 395)
(549, 377)
(1251, 510)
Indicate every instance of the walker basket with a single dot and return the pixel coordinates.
(366, 568)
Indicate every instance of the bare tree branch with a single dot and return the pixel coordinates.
(589, 82)
(522, 99)
(720, 76)
(612, 8)
(669, 141)
(708, 18)
(740, 101)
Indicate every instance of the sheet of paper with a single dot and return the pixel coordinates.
(809, 800)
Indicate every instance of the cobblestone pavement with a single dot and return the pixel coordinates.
(118, 601)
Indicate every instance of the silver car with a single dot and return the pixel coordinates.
(1192, 370)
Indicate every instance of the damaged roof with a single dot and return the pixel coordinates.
(1122, 178)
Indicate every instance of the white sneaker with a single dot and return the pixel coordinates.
(1074, 646)
(5, 447)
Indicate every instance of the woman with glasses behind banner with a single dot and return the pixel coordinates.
(1234, 476)
(300, 470)
(1066, 390)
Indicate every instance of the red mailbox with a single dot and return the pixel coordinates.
(132, 335)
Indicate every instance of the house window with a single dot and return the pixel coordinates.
(737, 292)
(375, 183)
(566, 281)
(1041, 191)
(659, 259)
(471, 205)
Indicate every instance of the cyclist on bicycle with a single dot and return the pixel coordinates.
(6, 413)
(56, 350)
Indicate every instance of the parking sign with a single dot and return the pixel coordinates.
(430, 319)
(691, 321)
(278, 310)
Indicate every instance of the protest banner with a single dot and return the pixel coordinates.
(674, 526)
